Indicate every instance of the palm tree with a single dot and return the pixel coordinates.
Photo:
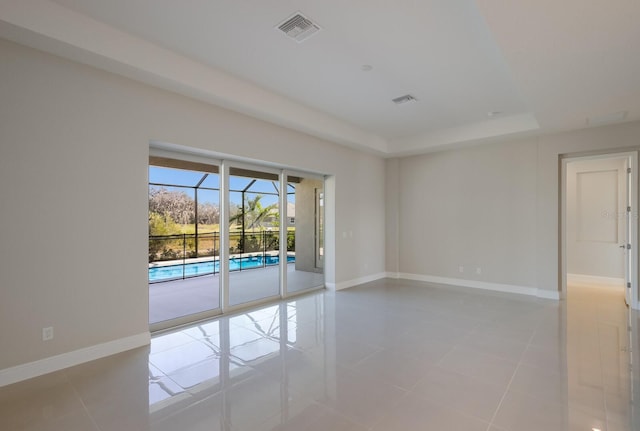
(253, 214)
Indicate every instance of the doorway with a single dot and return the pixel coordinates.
(305, 233)
(226, 235)
(254, 235)
(598, 223)
(184, 241)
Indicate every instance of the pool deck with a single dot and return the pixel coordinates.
(178, 298)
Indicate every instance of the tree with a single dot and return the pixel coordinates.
(254, 213)
(162, 225)
(208, 213)
(179, 206)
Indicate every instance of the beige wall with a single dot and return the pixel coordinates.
(494, 206)
(473, 208)
(596, 202)
(74, 144)
(392, 214)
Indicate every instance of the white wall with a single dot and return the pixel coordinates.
(74, 145)
(595, 228)
(494, 206)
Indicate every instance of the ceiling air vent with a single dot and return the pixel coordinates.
(404, 99)
(299, 27)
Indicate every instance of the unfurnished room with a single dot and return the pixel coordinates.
(300, 215)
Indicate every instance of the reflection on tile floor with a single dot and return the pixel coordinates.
(387, 355)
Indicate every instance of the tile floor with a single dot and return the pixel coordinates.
(388, 355)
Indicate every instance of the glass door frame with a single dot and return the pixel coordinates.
(187, 159)
(283, 236)
(224, 166)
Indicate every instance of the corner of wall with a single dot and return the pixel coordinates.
(393, 198)
(330, 230)
(356, 281)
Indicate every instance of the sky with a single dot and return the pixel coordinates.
(179, 177)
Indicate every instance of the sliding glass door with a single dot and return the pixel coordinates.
(184, 241)
(305, 233)
(226, 235)
(254, 235)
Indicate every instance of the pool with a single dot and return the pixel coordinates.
(172, 272)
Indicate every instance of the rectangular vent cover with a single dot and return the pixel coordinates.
(299, 27)
(404, 99)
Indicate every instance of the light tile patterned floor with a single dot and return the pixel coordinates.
(388, 355)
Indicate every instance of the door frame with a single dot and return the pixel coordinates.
(225, 163)
(226, 166)
(632, 157)
(283, 210)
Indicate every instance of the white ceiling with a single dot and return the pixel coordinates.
(544, 65)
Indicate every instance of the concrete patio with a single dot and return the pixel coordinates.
(172, 299)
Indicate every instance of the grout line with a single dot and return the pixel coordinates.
(504, 395)
(395, 405)
(354, 365)
(604, 389)
(84, 406)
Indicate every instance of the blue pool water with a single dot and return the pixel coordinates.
(171, 272)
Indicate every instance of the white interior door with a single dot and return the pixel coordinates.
(600, 230)
(596, 219)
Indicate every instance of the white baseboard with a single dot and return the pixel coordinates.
(475, 284)
(356, 281)
(595, 280)
(55, 363)
(548, 294)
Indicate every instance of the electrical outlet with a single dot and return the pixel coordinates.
(47, 333)
(478, 270)
(461, 269)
